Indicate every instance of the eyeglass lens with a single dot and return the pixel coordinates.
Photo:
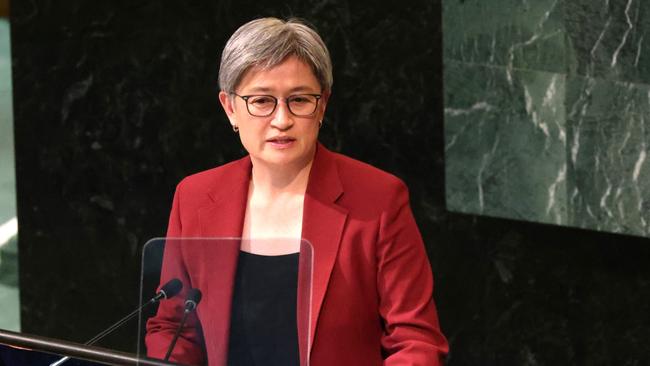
(264, 105)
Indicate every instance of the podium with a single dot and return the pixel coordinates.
(31, 350)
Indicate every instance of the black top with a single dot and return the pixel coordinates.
(263, 329)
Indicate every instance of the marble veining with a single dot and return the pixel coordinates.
(592, 113)
(511, 137)
(515, 34)
(610, 171)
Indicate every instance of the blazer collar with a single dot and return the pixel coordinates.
(228, 196)
(324, 181)
(222, 217)
(322, 228)
(225, 216)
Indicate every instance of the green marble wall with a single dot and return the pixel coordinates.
(547, 111)
(9, 293)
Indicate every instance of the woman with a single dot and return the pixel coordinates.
(371, 296)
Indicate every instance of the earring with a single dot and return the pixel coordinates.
(320, 123)
(235, 128)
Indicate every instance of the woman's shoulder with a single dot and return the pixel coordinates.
(207, 180)
(352, 168)
(367, 180)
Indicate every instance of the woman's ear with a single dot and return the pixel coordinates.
(228, 106)
(324, 98)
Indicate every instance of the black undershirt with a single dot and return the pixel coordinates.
(263, 327)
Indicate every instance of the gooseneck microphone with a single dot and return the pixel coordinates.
(191, 302)
(168, 290)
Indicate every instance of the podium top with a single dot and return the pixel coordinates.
(75, 350)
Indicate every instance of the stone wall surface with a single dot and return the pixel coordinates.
(547, 112)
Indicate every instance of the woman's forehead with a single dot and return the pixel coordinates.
(291, 75)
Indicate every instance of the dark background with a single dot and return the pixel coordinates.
(116, 101)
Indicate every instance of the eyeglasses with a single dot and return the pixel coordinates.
(301, 105)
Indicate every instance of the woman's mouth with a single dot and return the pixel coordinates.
(281, 142)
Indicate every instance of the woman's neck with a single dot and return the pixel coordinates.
(271, 182)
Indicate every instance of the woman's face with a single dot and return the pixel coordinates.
(281, 139)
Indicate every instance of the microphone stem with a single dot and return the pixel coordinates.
(108, 330)
(176, 335)
(118, 324)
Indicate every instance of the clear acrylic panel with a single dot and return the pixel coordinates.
(210, 265)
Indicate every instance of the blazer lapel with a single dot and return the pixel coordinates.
(224, 217)
(221, 224)
(323, 224)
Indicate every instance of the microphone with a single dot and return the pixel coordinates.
(193, 299)
(191, 302)
(168, 290)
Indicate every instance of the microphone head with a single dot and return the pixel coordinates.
(171, 288)
(193, 298)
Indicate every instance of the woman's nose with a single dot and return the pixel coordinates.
(282, 117)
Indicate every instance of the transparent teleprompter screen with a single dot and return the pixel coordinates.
(217, 268)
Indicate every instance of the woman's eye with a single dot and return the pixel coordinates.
(299, 99)
(261, 100)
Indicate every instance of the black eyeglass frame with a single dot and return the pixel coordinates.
(286, 101)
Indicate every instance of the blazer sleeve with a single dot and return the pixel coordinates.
(411, 332)
(189, 349)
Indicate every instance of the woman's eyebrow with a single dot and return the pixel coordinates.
(267, 90)
(260, 89)
(302, 88)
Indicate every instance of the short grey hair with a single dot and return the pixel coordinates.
(267, 42)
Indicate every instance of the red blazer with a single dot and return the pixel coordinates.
(371, 296)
